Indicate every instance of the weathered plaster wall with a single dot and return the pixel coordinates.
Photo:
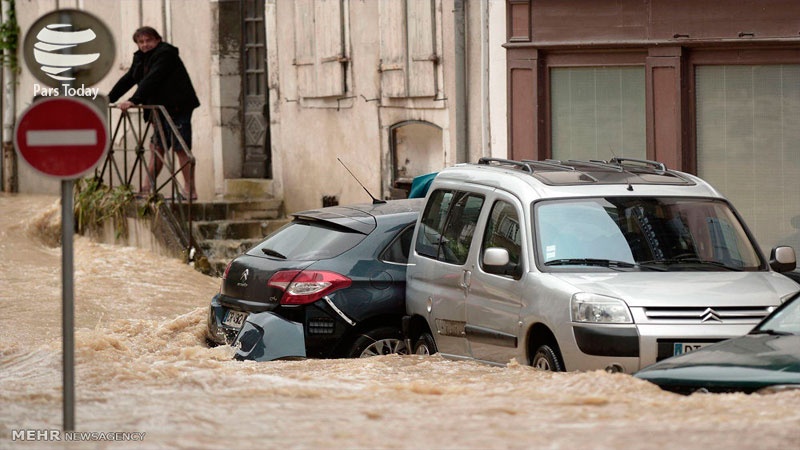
(187, 24)
(312, 137)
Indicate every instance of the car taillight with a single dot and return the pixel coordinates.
(227, 269)
(225, 275)
(302, 287)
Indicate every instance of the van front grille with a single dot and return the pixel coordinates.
(711, 314)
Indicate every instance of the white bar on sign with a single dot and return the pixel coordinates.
(50, 138)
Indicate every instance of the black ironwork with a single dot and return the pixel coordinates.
(126, 164)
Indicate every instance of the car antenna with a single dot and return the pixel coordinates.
(374, 200)
(611, 149)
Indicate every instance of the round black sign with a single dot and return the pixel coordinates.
(69, 46)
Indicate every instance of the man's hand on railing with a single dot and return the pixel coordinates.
(125, 105)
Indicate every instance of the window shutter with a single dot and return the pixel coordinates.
(330, 48)
(319, 48)
(393, 47)
(422, 49)
(748, 127)
(304, 43)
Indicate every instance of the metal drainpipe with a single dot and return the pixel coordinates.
(485, 95)
(7, 158)
(462, 154)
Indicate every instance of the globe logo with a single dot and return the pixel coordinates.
(54, 50)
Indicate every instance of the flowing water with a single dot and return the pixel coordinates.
(142, 366)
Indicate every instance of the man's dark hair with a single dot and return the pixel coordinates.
(147, 31)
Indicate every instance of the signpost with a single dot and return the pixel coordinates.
(65, 137)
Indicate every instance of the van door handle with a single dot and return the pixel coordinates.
(465, 279)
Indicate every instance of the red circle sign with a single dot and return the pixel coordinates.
(62, 137)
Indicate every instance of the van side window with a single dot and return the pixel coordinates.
(447, 225)
(503, 231)
(457, 236)
(432, 223)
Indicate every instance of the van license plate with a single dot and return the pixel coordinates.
(680, 348)
(234, 319)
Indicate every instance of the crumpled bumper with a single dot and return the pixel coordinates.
(266, 337)
(216, 332)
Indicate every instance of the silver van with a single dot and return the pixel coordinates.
(583, 265)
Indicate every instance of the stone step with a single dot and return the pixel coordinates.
(235, 229)
(268, 208)
(248, 188)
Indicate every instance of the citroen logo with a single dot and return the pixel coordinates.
(709, 315)
(243, 279)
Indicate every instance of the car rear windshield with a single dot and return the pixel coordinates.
(303, 240)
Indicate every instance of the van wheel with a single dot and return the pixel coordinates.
(380, 341)
(425, 345)
(546, 358)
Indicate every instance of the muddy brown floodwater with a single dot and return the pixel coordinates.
(142, 367)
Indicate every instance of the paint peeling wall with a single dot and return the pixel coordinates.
(187, 24)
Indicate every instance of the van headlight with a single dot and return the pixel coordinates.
(593, 308)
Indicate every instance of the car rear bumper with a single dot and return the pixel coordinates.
(324, 331)
(216, 332)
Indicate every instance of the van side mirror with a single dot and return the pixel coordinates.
(497, 261)
(495, 257)
(782, 259)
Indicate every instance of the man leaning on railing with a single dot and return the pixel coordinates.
(161, 79)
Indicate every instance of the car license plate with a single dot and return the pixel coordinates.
(680, 348)
(234, 319)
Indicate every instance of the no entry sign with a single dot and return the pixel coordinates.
(62, 137)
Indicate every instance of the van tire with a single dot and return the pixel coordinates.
(378, 341)
(425, 345)
(546, 358)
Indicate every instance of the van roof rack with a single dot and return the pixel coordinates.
(625, 170)
(657, 166)
(524, 165)
(595, 163)
(548, 164)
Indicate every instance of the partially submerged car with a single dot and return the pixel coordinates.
(329, 284)
(765, 360)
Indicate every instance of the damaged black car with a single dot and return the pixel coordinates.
(330, 284)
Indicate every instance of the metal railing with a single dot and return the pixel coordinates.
(127, 163)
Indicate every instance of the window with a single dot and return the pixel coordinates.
(448, 225)
(432, 223)
(307, 241)
(408, 48)
(319, 43)
(598, 112)
(658, 233)
(748, 130)
(503, 231)
(457, 236)
(397, 251)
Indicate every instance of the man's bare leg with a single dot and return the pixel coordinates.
(153, 169)
(188, 173)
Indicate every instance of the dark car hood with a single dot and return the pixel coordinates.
(747, 363)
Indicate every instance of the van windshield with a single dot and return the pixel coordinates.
(646, 233)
